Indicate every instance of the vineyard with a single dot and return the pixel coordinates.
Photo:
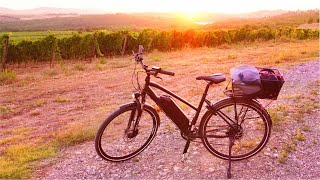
(103, 43)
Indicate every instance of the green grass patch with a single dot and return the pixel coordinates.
(74, 135)
(15, 162)
(7, 77)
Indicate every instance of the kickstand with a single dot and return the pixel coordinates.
(184, 154)
(231, 143)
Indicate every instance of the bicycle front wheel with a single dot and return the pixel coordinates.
(117, 139)
(241, 119)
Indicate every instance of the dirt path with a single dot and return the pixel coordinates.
(162, 159)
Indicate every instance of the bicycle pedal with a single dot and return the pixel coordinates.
(185, 157)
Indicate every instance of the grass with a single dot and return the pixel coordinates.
(299, 136)
(155, 56)
(186, 65)
(12, 139)
(51, 72)
(4, 110)
(232, 56)
(22, 131)
(61, 99)
(74, 135)
(7, 77)
(79, 67)
(103, 61)
(39, 103)
(16, 161)
(282, 158)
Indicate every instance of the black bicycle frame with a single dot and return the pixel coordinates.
(148, 91)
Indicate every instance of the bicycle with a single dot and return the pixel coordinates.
(234, 128)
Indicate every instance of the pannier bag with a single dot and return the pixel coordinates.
(173, 111)
(261, 83)
(271, 83)
(246, 78)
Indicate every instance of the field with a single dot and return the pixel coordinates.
(36, 35)
(44, 110)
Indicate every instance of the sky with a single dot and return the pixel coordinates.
(188, 6)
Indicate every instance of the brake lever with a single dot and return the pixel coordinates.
(159, 77)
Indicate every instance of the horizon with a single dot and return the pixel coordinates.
(189, 7)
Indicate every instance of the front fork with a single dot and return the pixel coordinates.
(132, 128)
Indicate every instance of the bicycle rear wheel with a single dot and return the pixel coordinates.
(117, 140)
(250, 130)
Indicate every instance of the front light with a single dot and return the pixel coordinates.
(135, 95)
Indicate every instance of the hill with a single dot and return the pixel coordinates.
(45, 19)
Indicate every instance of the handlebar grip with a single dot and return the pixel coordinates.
(167, 72)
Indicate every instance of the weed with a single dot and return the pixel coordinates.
(61, 99)
(232, 56)
(103, 61)
(7, 77)
(275, 116)
(169, 127)
(101, 67)
(79, 67)
(4, 110)
(282, 158)
(299, 136)
(39, 103)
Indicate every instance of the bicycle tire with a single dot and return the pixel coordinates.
(254, 135)
(111, 136)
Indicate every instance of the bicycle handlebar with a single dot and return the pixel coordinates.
(154, 70)
(166, 72)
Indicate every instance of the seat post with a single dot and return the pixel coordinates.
(204, 95)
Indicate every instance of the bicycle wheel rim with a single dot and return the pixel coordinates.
(250, 143)
(113, 144)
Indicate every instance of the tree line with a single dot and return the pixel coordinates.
(103, 43)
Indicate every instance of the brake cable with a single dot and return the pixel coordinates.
(133, 74)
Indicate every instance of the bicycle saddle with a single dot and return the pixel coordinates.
(215, 78)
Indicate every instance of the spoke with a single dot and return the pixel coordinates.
(224, 116)
(243, 117)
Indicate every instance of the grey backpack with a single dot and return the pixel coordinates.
(246, 78)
